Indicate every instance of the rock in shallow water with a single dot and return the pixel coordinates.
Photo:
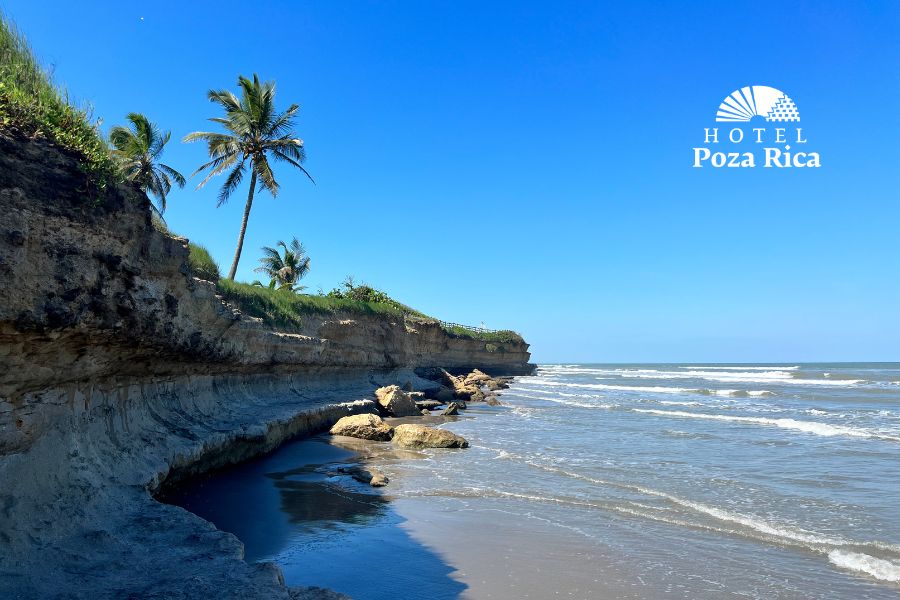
(365, 426)
(369, 475)
(315, 593)
(451, 410)
(420, 436)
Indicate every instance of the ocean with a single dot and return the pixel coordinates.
(604, 481)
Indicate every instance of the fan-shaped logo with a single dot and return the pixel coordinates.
(757, 101)
(763, 119)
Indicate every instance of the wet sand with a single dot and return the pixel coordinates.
(323, 528)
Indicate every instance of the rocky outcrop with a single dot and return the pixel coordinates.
(395, 402)
(421, 436)
(120, 373)
(364, 427)
(451, 410)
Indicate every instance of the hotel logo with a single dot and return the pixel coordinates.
(763, 133)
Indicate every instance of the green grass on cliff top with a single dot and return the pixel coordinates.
(201, 263)
(286, 309)
(283, 308)
(33, 105)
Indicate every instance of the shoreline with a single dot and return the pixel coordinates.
(107, 518)
(333, 519)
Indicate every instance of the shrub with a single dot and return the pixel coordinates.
(350, 290)
(284, 308)
(201, 263)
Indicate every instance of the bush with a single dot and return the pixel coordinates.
(284, 308)
(31, 104)
(201, 263)
(349, 290)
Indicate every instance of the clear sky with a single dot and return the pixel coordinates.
(528, 164)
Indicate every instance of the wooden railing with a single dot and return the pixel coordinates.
(469, 327)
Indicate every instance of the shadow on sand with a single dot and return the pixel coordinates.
(321, 528)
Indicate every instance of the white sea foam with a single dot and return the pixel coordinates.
(782, 532)
(739, 368)
(651, 389)
(856, 561)
(558, 400)
(780, 377)
(814, 427)
(677, 403)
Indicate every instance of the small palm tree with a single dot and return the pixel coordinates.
(286, 269)
(254, 133)
(137, 150)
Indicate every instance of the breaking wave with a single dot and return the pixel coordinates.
(878, 568)
(814, 427)
(652, 389)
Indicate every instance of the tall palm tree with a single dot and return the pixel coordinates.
(285, 269)
(137, 150)
(254, 133)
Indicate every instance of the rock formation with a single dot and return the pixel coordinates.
(421, 436)
(365, 427)
(395, 402)
(120, 372)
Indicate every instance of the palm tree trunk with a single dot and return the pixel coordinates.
(240, 244)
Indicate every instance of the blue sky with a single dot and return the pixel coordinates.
(528, 164)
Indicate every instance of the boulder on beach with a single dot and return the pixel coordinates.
(451, 410)
(492, 400)
(396, 402)
(420, 436)
(496, 384)
(366, 426)
(476, 377)
(425, 412)
(461, 389)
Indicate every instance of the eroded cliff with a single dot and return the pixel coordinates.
(117, 366)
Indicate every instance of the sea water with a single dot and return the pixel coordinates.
(648, 481)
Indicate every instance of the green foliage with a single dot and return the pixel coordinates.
(31, 104)
(287, 268)
(201, 263)
(254, 133)
(159, 224)
(493, 337)
(350, 290)
(285, 309)
(138, 149)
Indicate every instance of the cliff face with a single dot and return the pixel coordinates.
(117, 366)
(93, 293)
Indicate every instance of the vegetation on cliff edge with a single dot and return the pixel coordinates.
(284, 308)
(201, 263)
(33, 105)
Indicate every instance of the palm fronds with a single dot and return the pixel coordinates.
(254, 131)
(285, 267)
(137, 150)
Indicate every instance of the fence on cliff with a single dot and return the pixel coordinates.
(449, 325)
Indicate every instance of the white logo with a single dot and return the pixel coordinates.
(758, 101)
(752, 140)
